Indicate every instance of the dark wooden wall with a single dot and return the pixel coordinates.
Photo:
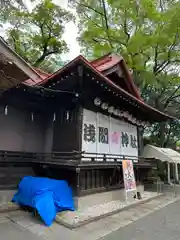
(11, 175)
(19, 133)
(48, 134)
(97, 180)
(67, 130)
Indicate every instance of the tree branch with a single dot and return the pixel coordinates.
(106, 23)
(45, 46)
(165, 63)
(161, 5)
(89, 7)
(175, 97)
(104, 19)
(42, 57)
(146, 61)
(90, 19)
(155, 59)
(105, 14)
(168, 100)
(125, 26)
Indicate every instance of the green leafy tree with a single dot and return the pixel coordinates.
(7, 3)
(147, 34)
(7, 6)
(37, 35)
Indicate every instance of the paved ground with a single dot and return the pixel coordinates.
(158, 219)
(163, 224)
(11, 231)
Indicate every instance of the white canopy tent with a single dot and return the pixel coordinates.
(165, 155)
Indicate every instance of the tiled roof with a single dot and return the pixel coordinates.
(110, 60)
(42, 74)
(106, 62)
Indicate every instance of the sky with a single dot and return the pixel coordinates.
(70, 35)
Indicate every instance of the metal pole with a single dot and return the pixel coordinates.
(160, 186)
(175, 195)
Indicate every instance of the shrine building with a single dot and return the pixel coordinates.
(77, 124)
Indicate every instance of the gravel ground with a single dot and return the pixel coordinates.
(163, 224)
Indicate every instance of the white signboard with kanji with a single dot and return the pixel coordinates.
(106, 135)
(129, 145)
(89, 141)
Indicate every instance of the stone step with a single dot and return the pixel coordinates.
(8, 207)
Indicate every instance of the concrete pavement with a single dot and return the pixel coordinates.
(141, 220)
(163, 224)
(11, 231)
(103, 227)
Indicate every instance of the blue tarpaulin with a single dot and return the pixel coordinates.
(47, 196)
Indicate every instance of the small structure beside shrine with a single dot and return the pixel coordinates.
(13, 69)
(77, 124)
(170, 159)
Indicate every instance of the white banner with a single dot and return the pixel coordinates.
(105, 135)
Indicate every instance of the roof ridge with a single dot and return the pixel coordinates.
(99, 58)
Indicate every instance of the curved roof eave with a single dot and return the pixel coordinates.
(107, 80)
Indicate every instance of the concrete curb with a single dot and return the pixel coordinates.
(76, 225)
(7, 208)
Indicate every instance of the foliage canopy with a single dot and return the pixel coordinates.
(147, 34)
(37, 35)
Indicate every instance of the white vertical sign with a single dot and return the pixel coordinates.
(103, 133)
(89, 136)
(127, 149)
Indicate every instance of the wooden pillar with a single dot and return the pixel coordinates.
(77, 187)
(93, 179)
(101, 178)
(140, 140)
(97, 178)
(82, 183)
(88, 179)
